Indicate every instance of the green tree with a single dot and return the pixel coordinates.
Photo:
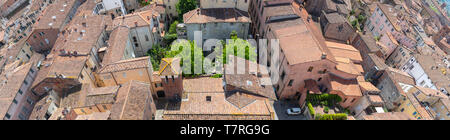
(169, 38)
(156, 54)
(184, 6)
(173, 27)
(352, 12)
(177, 50)
(233, 35)
(236, 45)
(144, 2)
(361, 18)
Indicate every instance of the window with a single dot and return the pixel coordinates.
(291, 82)
(208, 98)
(7, 116)
(310, 69)
(15, 101)
(29, 101)
(340, 27)
(20, 92)
(146, 38)
(104, 107)
(422, 83)
(124, 74)
(282, 75)
(402, 110)
(25, 110)
(107, 77)
(415, 113)
(21, 117)
(158, 85)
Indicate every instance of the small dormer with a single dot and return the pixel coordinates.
(170, 68)
(171, 78)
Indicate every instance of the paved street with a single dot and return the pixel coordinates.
(280, 108)
(160, 106)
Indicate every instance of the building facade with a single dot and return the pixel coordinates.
(145, 29)
(336, 27)
(51, 24)
(217, 23)
(121, 72)
(238, 4)
(115, 8)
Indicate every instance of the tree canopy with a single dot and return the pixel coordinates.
(195, 54)
(156, 54)
(184, 6)
(237, 47)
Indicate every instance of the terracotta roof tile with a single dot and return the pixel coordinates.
(170, 66)
(223, 106)
(343, 50)
(131, 101)
(55, 15)
(117, 43)
(10, 82)
(142, 62)
(216, 15)
(138, 19)
(388, 116)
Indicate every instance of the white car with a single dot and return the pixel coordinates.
(294, 111)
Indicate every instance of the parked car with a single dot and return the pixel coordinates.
(294, 111)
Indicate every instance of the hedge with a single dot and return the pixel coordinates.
(339, 116)
(324, 99)
(311, 109)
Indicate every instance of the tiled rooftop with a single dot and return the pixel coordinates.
(345, 51)
(131, 101)
(84, 32)
(142, 62)
(55, 15)
(388, 116)
(197, 107)
(216, 15)
(291, 32)
(138, 19)
(117, 42)
(10, 82)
